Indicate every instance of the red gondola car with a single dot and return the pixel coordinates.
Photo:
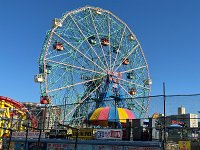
(125, 61)
(105, 42)
(58, 46)
(44, 100)
(132, 91)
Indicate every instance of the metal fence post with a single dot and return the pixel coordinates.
(77, 130)
(10, 138)
(26, 137)
(39, 138)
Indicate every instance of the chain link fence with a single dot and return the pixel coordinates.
(171, 119)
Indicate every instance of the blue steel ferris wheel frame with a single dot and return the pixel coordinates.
(101, 61)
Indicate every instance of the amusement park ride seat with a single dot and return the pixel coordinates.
(58, 46)
(44, 100)
(105, 42)
(92, 40)
(148, 82)
(131, 37)
(56, 23)
(98, 11)
(125, 61)
(39, 78)
(132, 91)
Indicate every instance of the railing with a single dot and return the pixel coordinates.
(161, 128)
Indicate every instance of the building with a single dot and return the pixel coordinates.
(182, 118)
(47, 116)
(178, 126)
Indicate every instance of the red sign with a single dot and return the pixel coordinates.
(177, 122)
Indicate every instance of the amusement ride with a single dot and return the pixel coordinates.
(13, 115)
(92, 68)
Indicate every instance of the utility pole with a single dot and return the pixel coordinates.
(164, 96)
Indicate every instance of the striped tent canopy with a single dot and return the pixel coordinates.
(102, 116)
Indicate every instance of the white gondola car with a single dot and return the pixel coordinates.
(131, 37)
(39, 78)
(98, 11)
(56, 23)
(148, 82)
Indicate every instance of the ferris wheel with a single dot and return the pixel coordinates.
(91, 59)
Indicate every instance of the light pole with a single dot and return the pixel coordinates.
(164, 96)
(198, 130)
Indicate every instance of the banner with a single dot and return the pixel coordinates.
(115, 134)
(30, 135)
(84, 134)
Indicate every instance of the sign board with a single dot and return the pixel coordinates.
(84, 134)
(57, 133)
(30, 135)
(114, 134)
(184, 145)
(53, 133)
(61, 134)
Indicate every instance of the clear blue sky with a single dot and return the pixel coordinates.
(168, 31)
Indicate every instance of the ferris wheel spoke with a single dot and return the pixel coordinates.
(81, 101)
(110, 54)
(80, 83)
(85, 38)
(51, 83)
(77, 67)
(132, 69)
(134, 48)
(129, 82)
(118, 48)
(98, 38)
(54, 56)
(133, 98)
(80, 52)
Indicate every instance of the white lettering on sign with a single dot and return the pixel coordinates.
(30, 135)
